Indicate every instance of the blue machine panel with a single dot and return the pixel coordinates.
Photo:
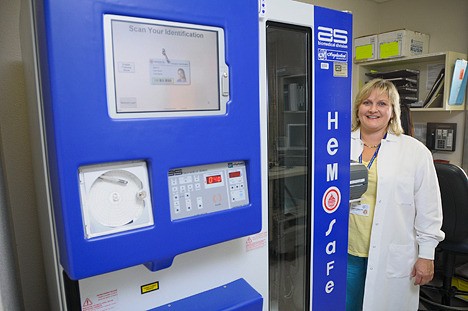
(332, 50)
(81, 133)
(235, 296)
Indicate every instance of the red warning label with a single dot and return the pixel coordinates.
(256, 241)
(87, 302)
(102, 302)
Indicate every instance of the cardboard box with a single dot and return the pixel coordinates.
(365, 48)
(402, 42)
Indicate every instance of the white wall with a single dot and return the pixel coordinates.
(436, 17)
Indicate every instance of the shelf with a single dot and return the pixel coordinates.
(278, 172)
(404, 66)
(394, 74)
(407, 60)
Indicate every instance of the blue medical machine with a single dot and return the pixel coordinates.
(194, 155)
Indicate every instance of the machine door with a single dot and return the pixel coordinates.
(289, 138)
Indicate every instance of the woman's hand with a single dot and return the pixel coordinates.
(423, 271)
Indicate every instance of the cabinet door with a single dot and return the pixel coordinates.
(288, 56)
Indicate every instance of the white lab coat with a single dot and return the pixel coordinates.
(407, 221)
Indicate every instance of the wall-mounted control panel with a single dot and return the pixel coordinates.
(206, 189)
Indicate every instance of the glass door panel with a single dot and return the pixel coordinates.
(289, 129)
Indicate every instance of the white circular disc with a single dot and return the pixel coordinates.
(113, 201)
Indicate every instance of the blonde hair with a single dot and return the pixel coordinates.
(388, 88)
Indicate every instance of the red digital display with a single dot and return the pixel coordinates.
(213, 179)
(234, 174)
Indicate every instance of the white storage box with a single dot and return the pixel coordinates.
(365, 48)
(401, 43)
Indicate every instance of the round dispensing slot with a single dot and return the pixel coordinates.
(115, 198)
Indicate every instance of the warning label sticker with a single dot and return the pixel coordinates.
(256, 241)
(102, 302)
(149, 287)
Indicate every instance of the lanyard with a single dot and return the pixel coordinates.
(372, 159)
(374, 156)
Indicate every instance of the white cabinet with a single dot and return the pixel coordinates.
(428, 66)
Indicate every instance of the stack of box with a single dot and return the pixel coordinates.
(397, 43)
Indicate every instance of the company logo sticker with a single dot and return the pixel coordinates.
(331, 200)
(332, 55)
(332, 37)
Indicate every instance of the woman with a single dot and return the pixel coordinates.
(395, 229)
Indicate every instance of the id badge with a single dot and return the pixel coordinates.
(359, 209)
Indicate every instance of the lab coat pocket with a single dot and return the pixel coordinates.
(400, 260)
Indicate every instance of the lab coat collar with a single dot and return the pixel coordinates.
(356, 135)
(357, 144)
